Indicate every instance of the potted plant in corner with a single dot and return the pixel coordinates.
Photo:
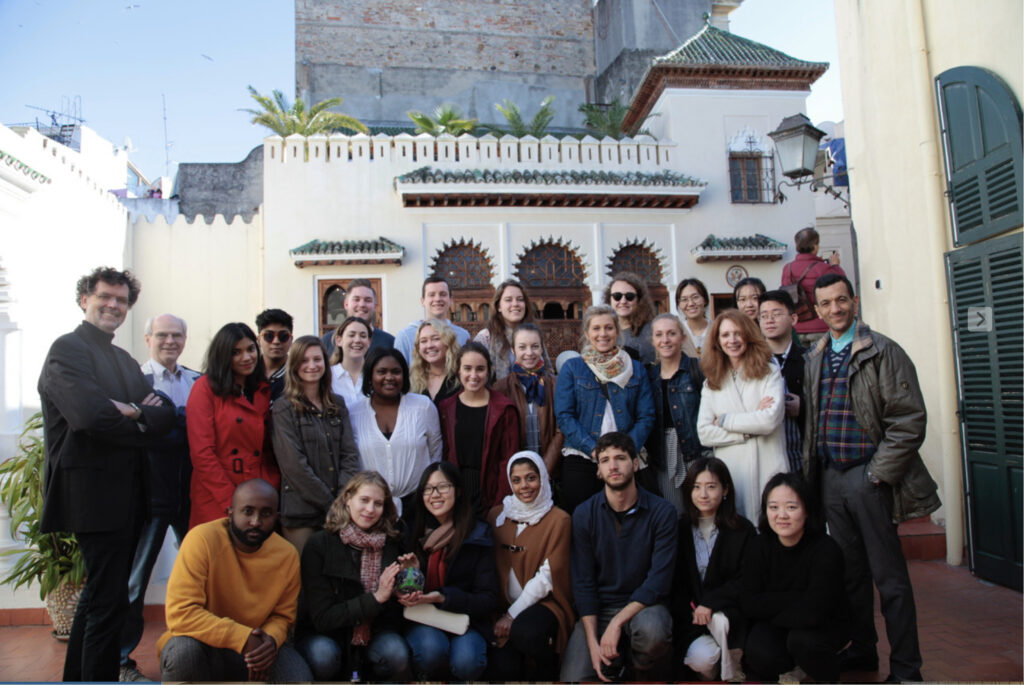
(53, 560)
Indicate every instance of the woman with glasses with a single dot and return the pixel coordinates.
(600, 391)
(397, 432)
(627, 294)
(742, 406)
(351, 343)
(455, 553)
(313, 441)
(512, 307)
(692, 302)
(226, 417)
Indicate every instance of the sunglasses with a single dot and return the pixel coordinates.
(629, 296)
(282, 336)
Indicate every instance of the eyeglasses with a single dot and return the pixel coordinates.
(629, 296)
(442, 489)
(282, 336)
(692, 298)
(773, 316)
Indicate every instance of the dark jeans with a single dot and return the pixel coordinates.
(93, 652)
(859, 515)
(771, 650)
(151, 539)
(185, 659)
(579, 481)
(529, 654)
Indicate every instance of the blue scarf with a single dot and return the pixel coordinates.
(532, 383)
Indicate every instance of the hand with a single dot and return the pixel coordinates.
(610, 642)
(127, 410)
(701, 616)
(597, 660)
(833, 258)
(153, 400)
(386, 583)
(414, 598)
(766, 402)
(501, 629)
(409, 561)
(259, 652)
(792, 405)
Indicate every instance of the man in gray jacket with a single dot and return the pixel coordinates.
(864, 424)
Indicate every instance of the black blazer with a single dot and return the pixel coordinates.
(721, 587)
(793, 373)
(95, 456)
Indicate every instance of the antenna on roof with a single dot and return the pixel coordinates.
(62, 123)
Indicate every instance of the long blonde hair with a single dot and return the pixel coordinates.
(714, 362)
(419, 369)
(337, 514)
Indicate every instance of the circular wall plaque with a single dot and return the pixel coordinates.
(735, 274)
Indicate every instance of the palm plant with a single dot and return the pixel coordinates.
(444, 119)
(284, 119)
(603, 120)
(537, 126)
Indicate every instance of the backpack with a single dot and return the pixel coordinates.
(804, 310)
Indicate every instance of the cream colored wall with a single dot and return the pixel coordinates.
(891, 52)
(208, 274)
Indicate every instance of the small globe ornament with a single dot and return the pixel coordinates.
(409, 579)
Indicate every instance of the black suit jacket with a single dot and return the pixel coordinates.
(721, 587)
(793, 373)
(95, 456)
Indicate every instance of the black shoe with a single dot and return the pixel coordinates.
(893, 678)
(856, 660)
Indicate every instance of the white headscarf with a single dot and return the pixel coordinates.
(516, 510)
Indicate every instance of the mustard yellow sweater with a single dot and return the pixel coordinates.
(218, 595)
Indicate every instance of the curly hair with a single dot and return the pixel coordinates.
(644, 310)
(338, 516)
(87, 284)
(293, 384)
(418, 370)
(714, 362)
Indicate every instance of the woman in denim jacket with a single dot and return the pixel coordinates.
(676, 381)
(602, 377)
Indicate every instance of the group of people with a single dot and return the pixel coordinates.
(654, 508)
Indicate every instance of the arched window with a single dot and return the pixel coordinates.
(467, 268)
(642, 259)
(556, 278)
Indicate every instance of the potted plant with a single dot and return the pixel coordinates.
(53, 560)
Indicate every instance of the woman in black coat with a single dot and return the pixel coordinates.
(712, 542)
(793, 593)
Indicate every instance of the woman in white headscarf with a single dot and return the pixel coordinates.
(531, 553)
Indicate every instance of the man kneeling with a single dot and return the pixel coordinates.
(232, 596)
(623, 551)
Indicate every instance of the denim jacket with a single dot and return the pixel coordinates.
(684, 402)
(580, 404)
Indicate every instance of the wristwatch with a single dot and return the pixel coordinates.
(138, 411)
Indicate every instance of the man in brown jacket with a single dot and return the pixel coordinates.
(864, 424)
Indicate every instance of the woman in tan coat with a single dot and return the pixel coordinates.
(531, 553)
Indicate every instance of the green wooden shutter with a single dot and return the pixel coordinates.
(981, 138)
(989, 371)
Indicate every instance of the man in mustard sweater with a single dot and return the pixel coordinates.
(231, 597)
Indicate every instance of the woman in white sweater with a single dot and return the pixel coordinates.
(742, 407)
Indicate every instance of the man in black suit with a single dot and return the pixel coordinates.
(777, 316)
(99, 415)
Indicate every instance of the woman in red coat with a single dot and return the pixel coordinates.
(226, 417)
(480, 430)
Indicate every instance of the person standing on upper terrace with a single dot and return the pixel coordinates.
(804, 270)
(436, 298)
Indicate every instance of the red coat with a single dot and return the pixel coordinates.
(815, 267)
(501, 441)
(227, 446)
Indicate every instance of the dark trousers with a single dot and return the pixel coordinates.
(93, 652)
(529, 654)
(859, 515)
(771, 650)
(185, 659)
(579, 481)
(151, 539)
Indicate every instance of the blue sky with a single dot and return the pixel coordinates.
(120, 57)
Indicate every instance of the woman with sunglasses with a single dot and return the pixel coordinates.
(351, 343)
(627, 294)
(511, 307)
(225, 418)
(455, 553)
(313, 441)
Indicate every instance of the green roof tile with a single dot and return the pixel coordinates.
(713, 46)
(757, 241)
(669, 179)
(348, 247)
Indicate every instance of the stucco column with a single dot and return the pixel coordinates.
(10, 418)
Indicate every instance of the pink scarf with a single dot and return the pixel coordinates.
(370, 544)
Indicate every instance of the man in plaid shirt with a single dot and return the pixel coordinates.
(863, 426)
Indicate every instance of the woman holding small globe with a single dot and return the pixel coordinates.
(531, 552)
(349, 568)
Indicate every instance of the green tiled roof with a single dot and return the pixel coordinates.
(669, 179)
(348, 248)
(713, 46)
(754, 242)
